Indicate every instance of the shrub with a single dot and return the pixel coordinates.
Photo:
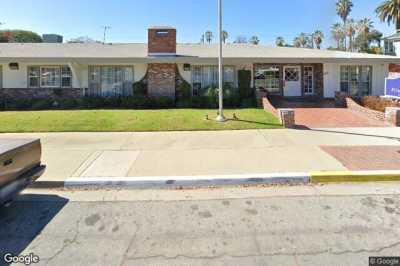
(184, 103)
(41, 104)
(244, 82)
(139, 88)
(184, 90)
(248, 103)
(377, 103)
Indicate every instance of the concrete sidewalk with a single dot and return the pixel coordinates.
(89, 155)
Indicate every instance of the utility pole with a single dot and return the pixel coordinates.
(105, 32)
(220, 117)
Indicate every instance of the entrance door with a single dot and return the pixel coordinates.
(292, 82)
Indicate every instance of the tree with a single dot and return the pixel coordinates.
(225, 36)
(389, 11)
(297, 42)
(254, 40)
(318, 37)
(241, 39)
(202, 39)
(19, 36)
(343, 9)
(209, 36)
(363, 28)
(280, 41)
(304, 40)
(338, 34)
(350, 32)
(376, 37)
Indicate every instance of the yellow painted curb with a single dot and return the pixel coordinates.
(354, 176)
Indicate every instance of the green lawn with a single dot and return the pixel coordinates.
(132, 120)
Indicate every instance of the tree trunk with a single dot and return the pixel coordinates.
(398, 24)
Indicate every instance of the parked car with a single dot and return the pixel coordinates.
(20, 166)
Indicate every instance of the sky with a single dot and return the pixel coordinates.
(129, 19)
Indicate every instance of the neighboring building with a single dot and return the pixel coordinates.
(52, 38)
(392, 44)
(74, 70)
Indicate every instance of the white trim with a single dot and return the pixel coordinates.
(313, 81)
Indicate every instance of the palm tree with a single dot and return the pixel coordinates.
(389, 11)
(338, 35)
(363, 28)
(254, 40)
(297, 42)
(225, 36)
(202, 39)
(280, 41)
(343, 9)
(303, 39)
(318, 37)
(209, 36)
(350, 32)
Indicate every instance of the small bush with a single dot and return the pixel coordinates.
(244, 82)
(184, 91)
(377, 103)
(42, 104)
(249, 103)
(139, 88)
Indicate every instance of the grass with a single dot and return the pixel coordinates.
(132, 120)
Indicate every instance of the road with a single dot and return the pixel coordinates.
(296, 225)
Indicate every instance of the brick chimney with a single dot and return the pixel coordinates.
(162, 41)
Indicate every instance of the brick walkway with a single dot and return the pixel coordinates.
(364, 158)
(333, 117)
(324, 114)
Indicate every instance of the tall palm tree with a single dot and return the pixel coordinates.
(202, 39)
(389, 11)
(343, 9)
(297, 42)
(209, 36)
(318, 37)
(280, 41)
(303, 39)
(254, 40)
(225, 36)
(338, 35)
(364, 27)
(350, 32)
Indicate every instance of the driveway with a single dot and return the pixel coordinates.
(326, 115)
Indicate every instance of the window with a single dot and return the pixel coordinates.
(49, 77)
(389, 47)
(291, 74)
(66, 77)
(206, 76)
(308, 79)
(356, 80)
(268, 79)
(34, 77)
(111, 81)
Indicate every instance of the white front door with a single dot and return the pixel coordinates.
(292, 81)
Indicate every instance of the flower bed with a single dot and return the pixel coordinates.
(378, 103)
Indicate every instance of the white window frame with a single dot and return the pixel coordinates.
(59, 76)
(275, 69)
(309, 90)
(359, 72)
(214, 72)
(41, 67)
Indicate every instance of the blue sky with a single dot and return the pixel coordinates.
(129, 19)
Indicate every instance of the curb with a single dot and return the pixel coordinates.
(354, 176)
(220, 180)
(187, 181)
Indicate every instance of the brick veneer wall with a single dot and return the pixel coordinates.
(267, 105)
(161, 43)
(352, 105)
(161, 80)
(40, 93)
(394, 68)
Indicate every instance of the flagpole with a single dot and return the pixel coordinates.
(220, 117)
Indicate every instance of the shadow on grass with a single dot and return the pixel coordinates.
(253, 122)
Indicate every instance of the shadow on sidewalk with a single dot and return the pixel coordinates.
(24, 220)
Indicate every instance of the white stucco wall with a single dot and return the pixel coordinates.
(19, 78)
(397, 48)
(332, 78)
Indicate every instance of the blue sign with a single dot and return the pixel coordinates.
(393, 87)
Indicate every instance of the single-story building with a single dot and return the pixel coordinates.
(75, 70)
